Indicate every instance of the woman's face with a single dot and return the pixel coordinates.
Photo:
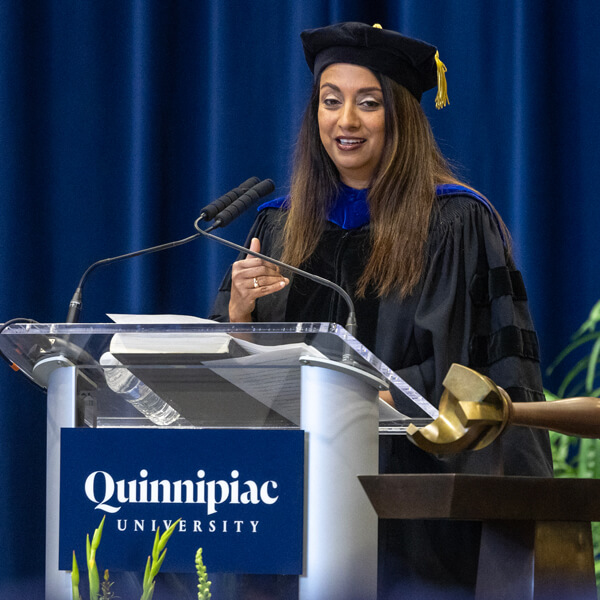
(351, 121)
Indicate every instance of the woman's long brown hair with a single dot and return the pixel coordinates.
(401, 195)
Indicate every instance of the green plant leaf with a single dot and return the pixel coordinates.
(94, 580)
(146, 581)
(98, 534)
(596, 473)
(157, 565)
(155, 545)
(75, 570)
(592, 320)
(572, 346)
(584, 469)
(580, 367)
(155, 561)
(592, 364)
(164, 538)
(549, 395)
(148, 593)
(75, 578)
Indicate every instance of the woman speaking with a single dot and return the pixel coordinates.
(374, 206)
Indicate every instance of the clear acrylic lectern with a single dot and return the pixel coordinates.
(310, 376)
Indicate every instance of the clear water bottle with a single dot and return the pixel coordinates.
(136, 392)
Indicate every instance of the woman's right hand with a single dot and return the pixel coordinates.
(252, 278)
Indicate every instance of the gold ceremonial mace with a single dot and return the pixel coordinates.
(474, 411)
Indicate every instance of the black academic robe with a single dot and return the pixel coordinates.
(470, 307)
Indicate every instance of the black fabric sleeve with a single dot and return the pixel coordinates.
(472, 309)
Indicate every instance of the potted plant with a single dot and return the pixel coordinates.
(575, 457)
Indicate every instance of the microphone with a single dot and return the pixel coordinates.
(76, 301)
(207, 213)
(236, 208)
(351, 325)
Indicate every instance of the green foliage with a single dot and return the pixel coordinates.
(584, 377)
(574, 457)
(75, 578)
(90, 552)
(203, 583)
(155, 561)
(107, 594)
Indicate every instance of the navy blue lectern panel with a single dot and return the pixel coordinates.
(239, 495)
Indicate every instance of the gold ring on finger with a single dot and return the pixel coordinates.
(256, 284)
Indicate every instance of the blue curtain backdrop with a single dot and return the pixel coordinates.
(120, 119)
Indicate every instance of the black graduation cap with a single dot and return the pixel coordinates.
(408, 61)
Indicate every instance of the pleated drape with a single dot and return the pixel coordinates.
(120, 119)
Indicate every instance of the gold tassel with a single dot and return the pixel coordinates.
(441, 98)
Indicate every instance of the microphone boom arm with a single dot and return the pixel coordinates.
(75, 304)
(241, 196)
(350, 323)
